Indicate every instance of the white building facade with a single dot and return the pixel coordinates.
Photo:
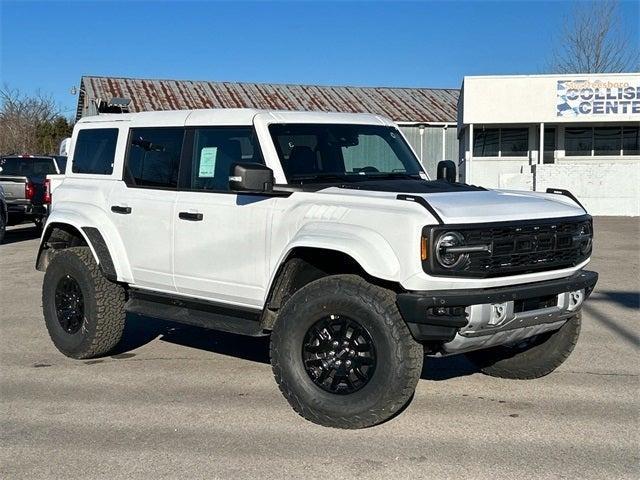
(576, 132)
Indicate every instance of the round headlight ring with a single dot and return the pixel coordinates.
(450, 260)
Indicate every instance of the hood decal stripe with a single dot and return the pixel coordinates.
(423, 202)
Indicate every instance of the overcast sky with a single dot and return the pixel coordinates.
(50, 45)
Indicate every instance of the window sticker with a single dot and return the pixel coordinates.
(208, 162)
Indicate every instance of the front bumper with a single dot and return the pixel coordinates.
(437, 316)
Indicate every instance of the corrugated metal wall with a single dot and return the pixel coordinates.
(429, 150)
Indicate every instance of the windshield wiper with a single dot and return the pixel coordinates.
(321, 177)
(414, 176)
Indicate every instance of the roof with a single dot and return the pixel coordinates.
(420, 105)
(228, 116)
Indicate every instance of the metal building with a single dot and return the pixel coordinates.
(426, 116)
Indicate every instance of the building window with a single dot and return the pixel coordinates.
(154, 157)
(578, 142)
(607, 141)
(549, 145)
(631, 140)
(601, 141)
(501, 142)
(95, 150)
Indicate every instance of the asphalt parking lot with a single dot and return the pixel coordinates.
(181, 402)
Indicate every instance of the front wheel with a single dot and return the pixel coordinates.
(342, 355)
(533, 358)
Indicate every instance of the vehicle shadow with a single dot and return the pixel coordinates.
(20, 233)
(628, 299)
(446, 368)
(140, 330)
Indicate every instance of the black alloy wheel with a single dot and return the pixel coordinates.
(69, 304)
(339, 355)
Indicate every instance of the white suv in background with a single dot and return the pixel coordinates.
(321, 230)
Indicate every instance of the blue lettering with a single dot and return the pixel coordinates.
(572, 94)
(611, 107)
(598, 107)
(623, 105)
(584, 107)
(586, 94)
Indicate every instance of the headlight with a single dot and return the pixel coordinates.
(445, 250)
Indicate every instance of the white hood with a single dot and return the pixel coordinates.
(498, 206)
(485, 206)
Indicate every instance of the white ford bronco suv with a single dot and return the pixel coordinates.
(321, 230)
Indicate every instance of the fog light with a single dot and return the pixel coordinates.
(498, 313)
(575, 300)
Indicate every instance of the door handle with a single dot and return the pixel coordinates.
(119, 209)
(193, 217)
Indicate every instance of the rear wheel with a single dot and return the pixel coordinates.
(83, 311)
(342, 355)
(533, 358)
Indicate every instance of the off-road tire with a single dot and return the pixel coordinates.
(546, 353)
(104, 312)
(399, 356)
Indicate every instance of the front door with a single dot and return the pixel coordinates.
(220, 236)
(142, 205)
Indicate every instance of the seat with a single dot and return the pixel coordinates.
(302, 161)
(228, 153)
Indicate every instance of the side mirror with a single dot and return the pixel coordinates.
(447, 171)
(251, 177)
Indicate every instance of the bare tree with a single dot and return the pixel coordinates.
(27, 122)
(593, 40)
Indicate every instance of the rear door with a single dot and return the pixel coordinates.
(220, 236)
(142, 205)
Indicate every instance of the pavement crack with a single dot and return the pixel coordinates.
(604, 374)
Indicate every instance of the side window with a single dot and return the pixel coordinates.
(215, 150)
(95, 150)
(153, 157)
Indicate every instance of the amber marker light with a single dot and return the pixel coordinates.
(423, 249)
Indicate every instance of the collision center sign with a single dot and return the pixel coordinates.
(595, 97)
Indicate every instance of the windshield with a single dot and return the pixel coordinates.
(26, 166)
(345, 153)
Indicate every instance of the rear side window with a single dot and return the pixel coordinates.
(153, 157)
(95, 150)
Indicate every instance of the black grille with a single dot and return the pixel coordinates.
(518, 247)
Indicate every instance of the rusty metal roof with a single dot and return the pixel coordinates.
(399, 104)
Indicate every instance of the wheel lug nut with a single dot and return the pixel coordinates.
(345, 343)
(334, 344)
(338, 363)
(352, 352)
(347, 363)
(332, 353)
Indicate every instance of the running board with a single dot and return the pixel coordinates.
(195, 312)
